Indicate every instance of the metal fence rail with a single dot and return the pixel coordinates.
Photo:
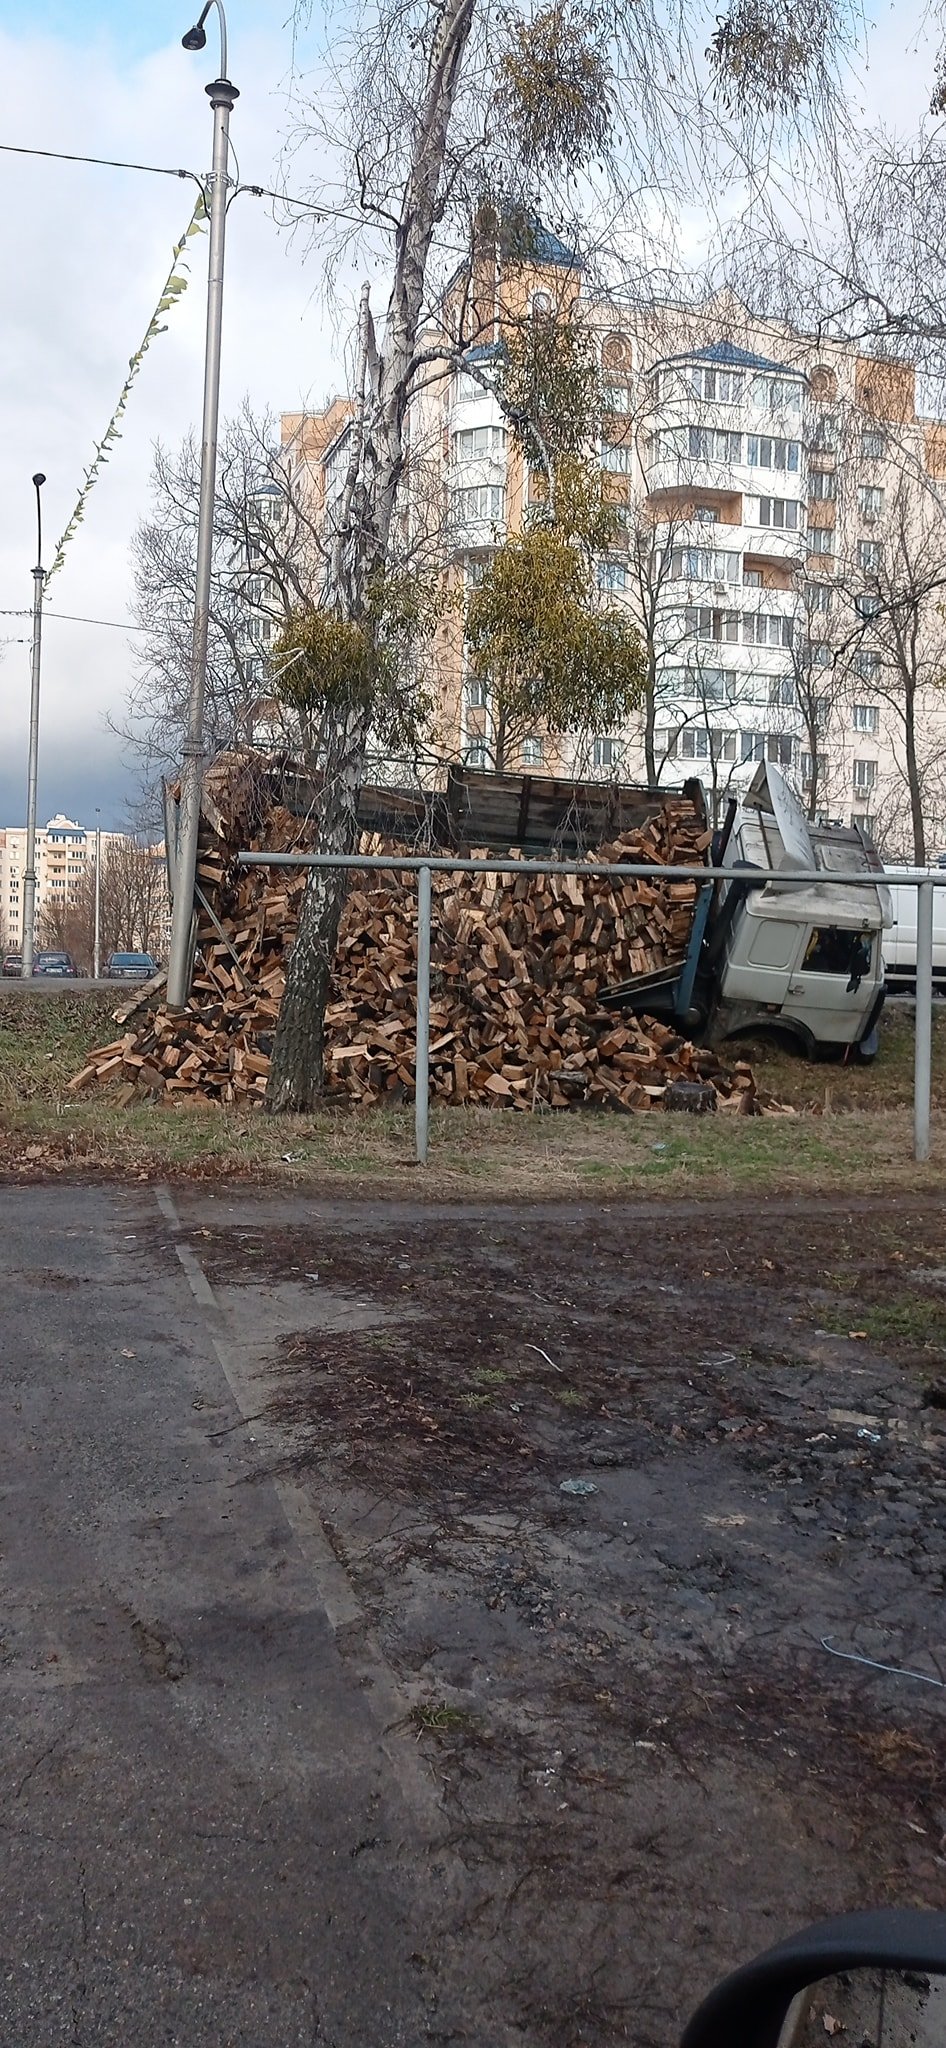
(425, 865)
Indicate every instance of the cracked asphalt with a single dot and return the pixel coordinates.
(203, 1832)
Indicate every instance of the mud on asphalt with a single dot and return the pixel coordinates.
(606, 1481)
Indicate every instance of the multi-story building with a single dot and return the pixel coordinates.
(65, 852)
(769, 492)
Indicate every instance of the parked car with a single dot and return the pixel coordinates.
(12, 964)
(62, 964)
(131, 966)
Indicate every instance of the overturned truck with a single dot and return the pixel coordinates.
(800, 956)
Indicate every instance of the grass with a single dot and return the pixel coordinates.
(852, 1131)
(910, 1319)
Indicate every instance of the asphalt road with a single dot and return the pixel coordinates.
(205, 1836)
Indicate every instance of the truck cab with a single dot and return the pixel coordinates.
(804, 957)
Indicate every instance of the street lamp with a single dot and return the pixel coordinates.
(29, 877)
(97, 942)
(222, 96)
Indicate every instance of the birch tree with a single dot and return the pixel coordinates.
(443, 113)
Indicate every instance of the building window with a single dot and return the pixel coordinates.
(782, 692)
(868, 554)
(819, 597)
(709, 444)
(605, 753)
(778, 394)
(865, 775)
(780, 748)
(476, 443)
(822, 483)
(779, 512)
(824, 439)
(617, 397)
(715, 385)
(870, 499)
(612, 576)
(819, 655)
(862, 822)
(752, 746)
(873, 444)
(532, 752)
(480, 501)
(705, 565)
(866, 718)
(702, 622)
(867, 663)
(476, 693)
(476, 754)
(665, 745)
(767, 629)
(867, 604)
(820, 540)
(617, 455)
(766, 451)
(805, 767)
(706, 515)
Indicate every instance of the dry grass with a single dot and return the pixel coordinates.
(852, 1131)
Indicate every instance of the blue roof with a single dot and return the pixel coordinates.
(547, 248)
(734, 358)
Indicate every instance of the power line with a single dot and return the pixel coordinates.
(111, 163)
(79, 619)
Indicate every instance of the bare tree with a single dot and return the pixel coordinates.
(466, 120)
(895, 594)
(133, 906)
(269, 557)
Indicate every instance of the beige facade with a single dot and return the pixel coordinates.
(775, 499)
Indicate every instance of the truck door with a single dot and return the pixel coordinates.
(834, 984)
(761, 957)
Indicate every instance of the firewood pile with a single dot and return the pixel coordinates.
(518, 965)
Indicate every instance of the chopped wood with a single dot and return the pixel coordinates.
(518, 966)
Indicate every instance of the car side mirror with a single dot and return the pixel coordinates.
(877, 1977)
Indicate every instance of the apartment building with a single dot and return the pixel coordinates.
(65, 851)
(768, 494)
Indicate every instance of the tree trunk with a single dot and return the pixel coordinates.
(499, 743)
(650, 754)
(360, 550)
(913, 780)
(297, 1068)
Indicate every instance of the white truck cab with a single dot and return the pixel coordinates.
(806, 956)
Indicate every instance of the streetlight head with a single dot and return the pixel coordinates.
(39, 478)
(195, 38)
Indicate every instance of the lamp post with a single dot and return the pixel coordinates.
(97, 944)
(222, 96)
(29, 877)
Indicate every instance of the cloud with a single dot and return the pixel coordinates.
(84, 253)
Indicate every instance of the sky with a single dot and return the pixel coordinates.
(84, 252)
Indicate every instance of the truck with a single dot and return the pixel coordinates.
(799, 958)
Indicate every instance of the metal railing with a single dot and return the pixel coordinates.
(425, 865)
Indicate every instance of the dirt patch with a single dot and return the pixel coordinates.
(622, 1495)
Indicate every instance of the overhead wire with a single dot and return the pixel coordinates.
(112, 163)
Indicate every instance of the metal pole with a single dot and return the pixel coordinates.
(97, 949)
(422, 1051)
(922, 1061)
(32, 778)
(222, 98)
